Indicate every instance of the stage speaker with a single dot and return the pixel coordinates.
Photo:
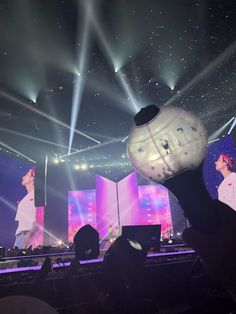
(86, 242)
(147, 235)
(40, 183)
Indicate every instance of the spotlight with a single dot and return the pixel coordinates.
(124, 139)
(77, 167)
(218, 132)
(56, 160)
(84, 166)
(232, 126)
(212, 141)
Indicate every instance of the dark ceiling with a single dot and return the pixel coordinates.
(129, 54)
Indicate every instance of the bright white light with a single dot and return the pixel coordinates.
(169, 74)
(79, 83)
(232, 126)
(217, 133)
(33, 138)
(94, 147)
(84, 166)
(46, 116)
(215, 64)
(56, 160)
(124, 139)
(115, 63)
(16, 151)
(77, 167)
(128, 91)
(212, 141)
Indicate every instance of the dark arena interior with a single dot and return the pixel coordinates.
(117, 156)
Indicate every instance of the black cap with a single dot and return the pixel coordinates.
(146, 114)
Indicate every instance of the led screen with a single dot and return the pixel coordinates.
(11, 193)
(112, 205)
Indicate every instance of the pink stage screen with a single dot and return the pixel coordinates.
(81, 211)
(155, 207)
(113, 205)
(38, 237)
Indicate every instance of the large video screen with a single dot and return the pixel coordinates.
(213, 177)
(12, 196)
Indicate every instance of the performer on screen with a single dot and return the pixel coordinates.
(227, 188)
(26, 213)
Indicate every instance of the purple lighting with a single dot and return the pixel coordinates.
(113, 205)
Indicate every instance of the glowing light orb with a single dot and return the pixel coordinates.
(165, 141)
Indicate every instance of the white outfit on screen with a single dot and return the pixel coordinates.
(26, 213)
(227, 190)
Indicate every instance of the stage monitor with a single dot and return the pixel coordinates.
(147, 235)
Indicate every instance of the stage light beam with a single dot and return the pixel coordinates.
(17, 152)
(46, 116)
(215, 64)
(80, 80)
(217, 133)
(232, 126)
(38, 139)
(128, 91)
(108, 50)
(93, 147)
